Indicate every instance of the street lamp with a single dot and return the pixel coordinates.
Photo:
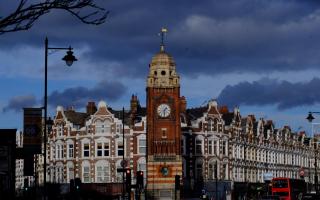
(310, 118)
(69, 59)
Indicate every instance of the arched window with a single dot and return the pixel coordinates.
(51, 171)
(102, 171)
(199, 169)
(213, 146)
(225, 171)
(199, 145)
(70, 149)
(212, 173)
(70, 171)
(59, 150)
(86, 172)
(59, 172)
(118, 175)
(224, 147)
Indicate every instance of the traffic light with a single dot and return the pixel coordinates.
(77, 184)
(128, 180)
(139, 179)
(177, 182)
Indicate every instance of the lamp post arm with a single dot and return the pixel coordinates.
(57, 48)
(45, 107)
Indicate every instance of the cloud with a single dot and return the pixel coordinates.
(79, 96)
(283, 94)
(214, 37)
(17, 103)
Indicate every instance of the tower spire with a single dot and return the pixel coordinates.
(162, 34)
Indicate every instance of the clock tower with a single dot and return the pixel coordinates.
(164, 160)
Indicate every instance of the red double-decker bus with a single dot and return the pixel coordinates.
(288, 189)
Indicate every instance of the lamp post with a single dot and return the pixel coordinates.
(123, 159)
(310, 118)
(69, 59)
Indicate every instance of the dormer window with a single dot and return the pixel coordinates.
(60, 130)
(103, 127)
(209, 125)
(212, 125)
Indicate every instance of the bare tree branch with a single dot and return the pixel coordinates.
(25, 15)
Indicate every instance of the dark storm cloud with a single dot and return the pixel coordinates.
(79, 96)
(17, 103)
(211, 37)
(271, 92)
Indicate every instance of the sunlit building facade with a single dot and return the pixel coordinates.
(217, 145)
(90, 145)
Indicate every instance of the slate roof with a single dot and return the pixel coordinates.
(141, 112)
(195, 113)
(118, 114)
(77, 118)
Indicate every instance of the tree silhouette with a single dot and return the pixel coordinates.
(26, 14)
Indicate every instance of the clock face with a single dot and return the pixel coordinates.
(163, 110)
(30, 131)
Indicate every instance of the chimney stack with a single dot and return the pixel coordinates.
(183, 104)
(91, 108)
(134, 102)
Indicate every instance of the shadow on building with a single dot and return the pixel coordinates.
(7, 163)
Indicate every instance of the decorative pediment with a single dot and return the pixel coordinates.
(102, 109)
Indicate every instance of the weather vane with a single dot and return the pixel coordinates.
(162, 34)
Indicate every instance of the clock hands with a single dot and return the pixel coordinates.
(164, 111)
